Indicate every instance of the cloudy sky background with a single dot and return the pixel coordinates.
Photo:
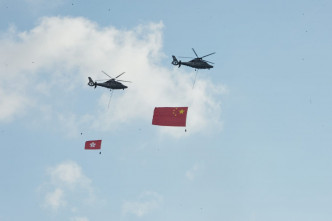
(257, 145)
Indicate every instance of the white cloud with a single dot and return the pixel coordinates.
(79, 219)
(11, 105)
(54, 199)
(68, 174)
(46, 68)
(192, 173)
(147, 202)
(67, 186)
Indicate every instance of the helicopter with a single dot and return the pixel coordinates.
(197, 63)
(112, 84)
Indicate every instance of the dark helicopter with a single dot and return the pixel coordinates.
(112, 84)
(197, 63)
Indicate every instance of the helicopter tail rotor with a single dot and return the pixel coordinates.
(92, 83)
(175, 61)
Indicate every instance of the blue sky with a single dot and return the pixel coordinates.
(258, 139)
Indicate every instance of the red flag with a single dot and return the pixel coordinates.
(93, 144)
(170, 116)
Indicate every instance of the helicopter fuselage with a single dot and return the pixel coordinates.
(197, 64)
(111, 84)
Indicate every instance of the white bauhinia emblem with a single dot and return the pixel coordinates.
(92, 145)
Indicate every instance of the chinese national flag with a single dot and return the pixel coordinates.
(170, 116)
(93, 144)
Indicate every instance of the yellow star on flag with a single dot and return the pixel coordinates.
(174, 112)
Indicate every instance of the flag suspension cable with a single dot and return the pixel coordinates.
(195, 78)
(110, 99)
(185, 130)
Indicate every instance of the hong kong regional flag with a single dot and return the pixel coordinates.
(170, 116)
(93, 144)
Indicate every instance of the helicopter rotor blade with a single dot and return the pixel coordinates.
(106, 74)
(195, 52)
(120, 74)
(185, 57)
(124, 81)
(208, 55)
(209, 62)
